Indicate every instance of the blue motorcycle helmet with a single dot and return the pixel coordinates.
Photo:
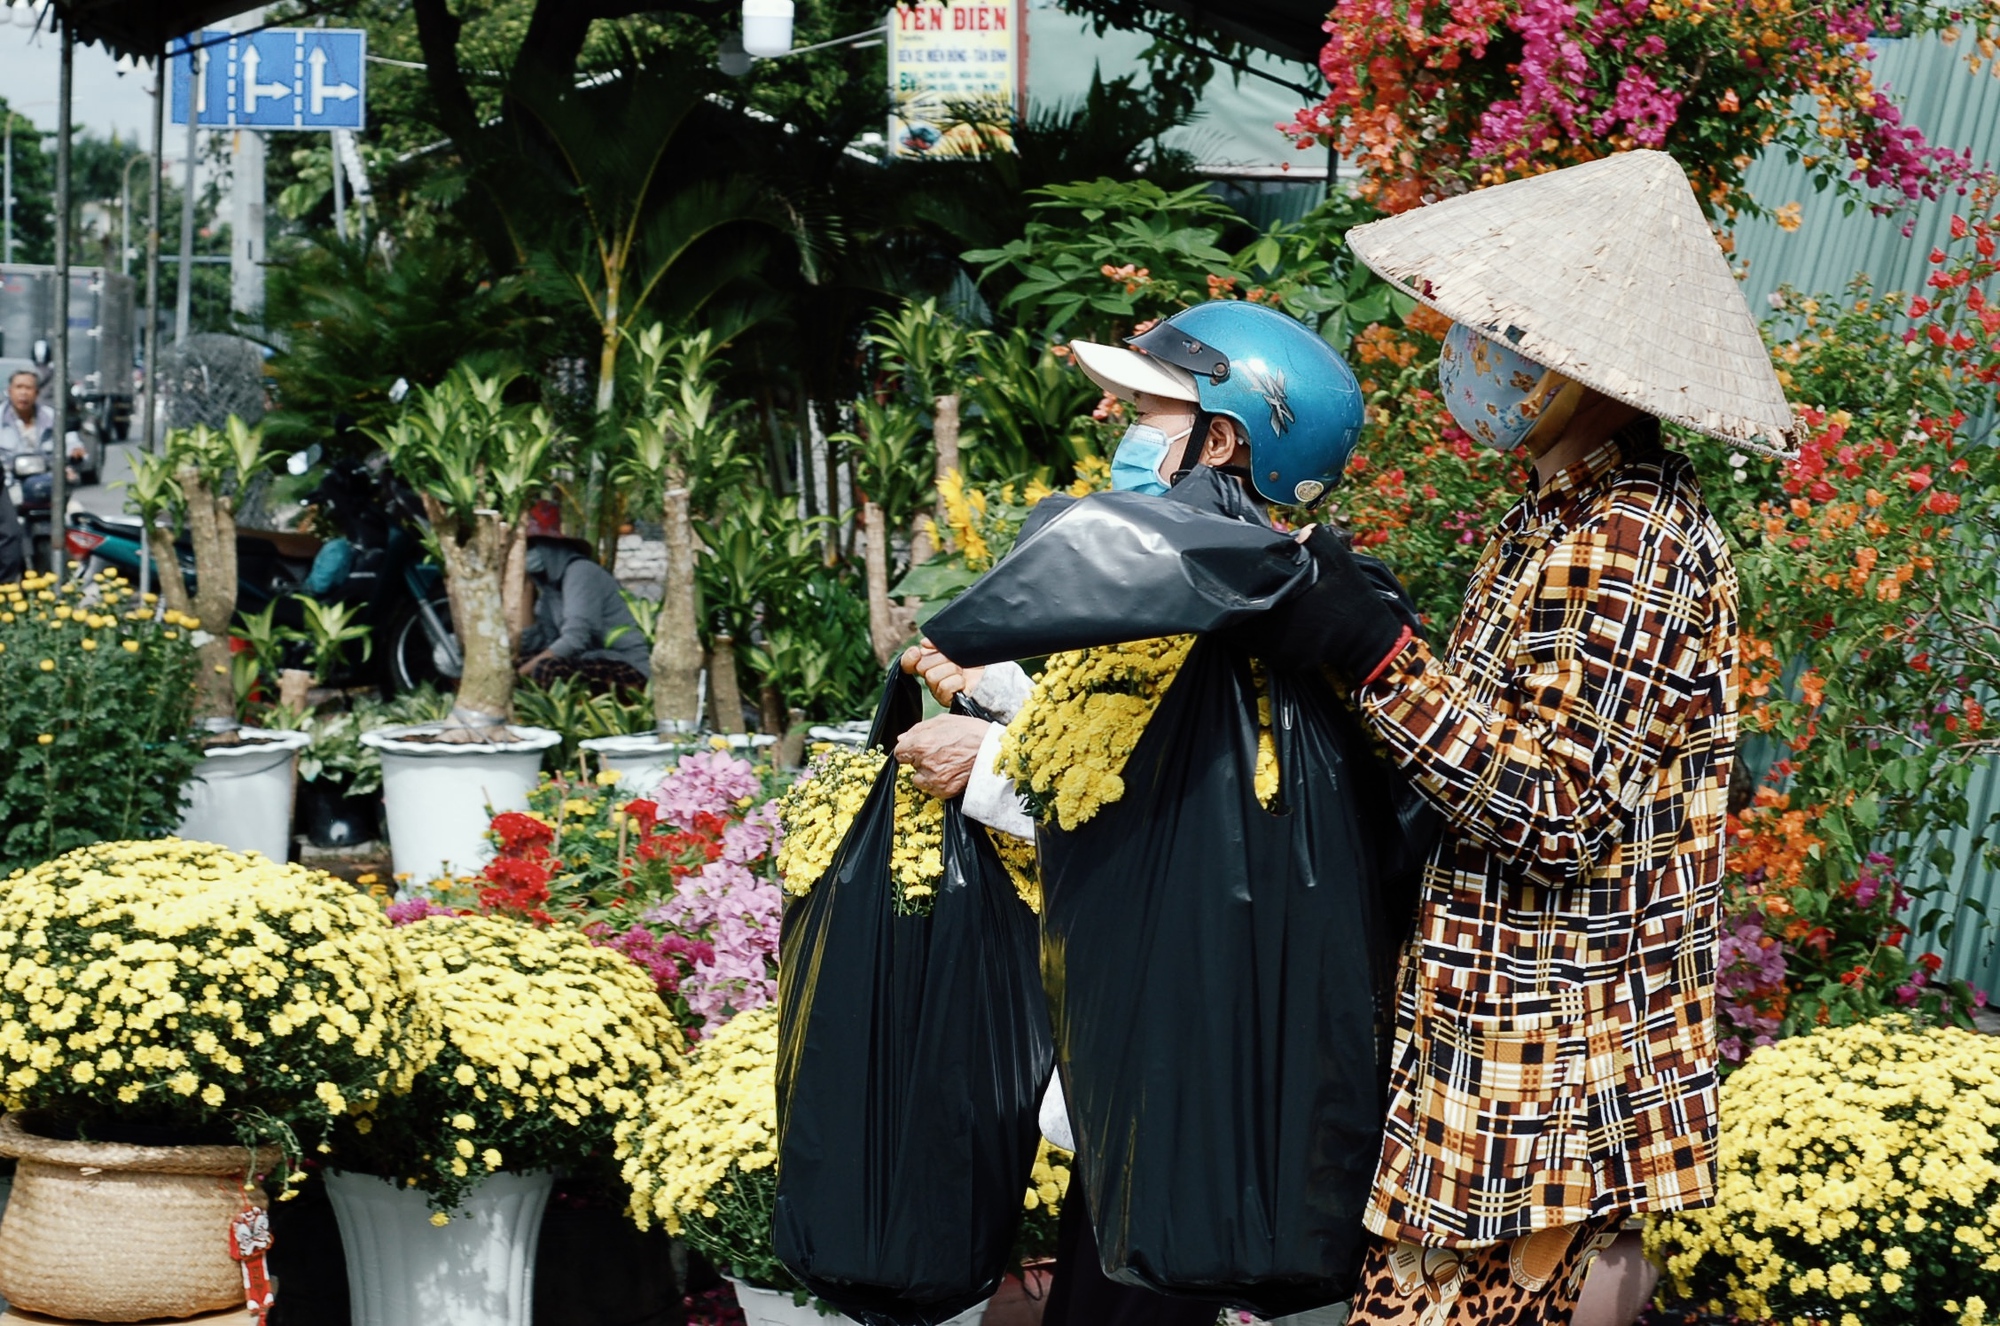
(1294, 397)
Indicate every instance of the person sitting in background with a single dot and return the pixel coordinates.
(582, 627)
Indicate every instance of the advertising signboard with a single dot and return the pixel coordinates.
(955, 73)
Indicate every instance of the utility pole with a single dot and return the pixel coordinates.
(246, 225)
(149, 399)
(59, 466)
(8, 188)
(125, 216)
(339, 190)
(184, 292)
(246, 209)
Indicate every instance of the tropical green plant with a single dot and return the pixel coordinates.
(329, 629)
(1029, 408)
(681, 450)
(1105, 254)
(258, 662)
(352, 319)
(567, 705)
(477, 461)
(1103, 258)
(893, 472)
(211, 470)
(751, 553)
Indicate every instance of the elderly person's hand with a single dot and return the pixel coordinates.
(944, 677)
(940, 752)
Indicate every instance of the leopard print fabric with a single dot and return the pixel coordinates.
(1533, 1280)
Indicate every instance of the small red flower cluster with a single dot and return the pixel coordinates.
(518, 878)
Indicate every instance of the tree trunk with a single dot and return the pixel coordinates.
(517, 592)
(770, 711)
(944, 432)
(475, 569)
(889, 623)
(725, 697)
(212, 526)
(677, 653)
(167, 570)
(792, 745)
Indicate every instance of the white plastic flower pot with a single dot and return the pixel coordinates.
(771, 1307)
(241, 796)
(478, 1270)
(642, 760)
(439, 798)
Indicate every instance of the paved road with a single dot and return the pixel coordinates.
(107, 496)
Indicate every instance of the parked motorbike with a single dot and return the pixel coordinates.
(269, 564)
(376, 562)
(379, 562)
(33, 489)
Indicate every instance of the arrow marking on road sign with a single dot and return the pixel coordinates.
(323, 91)
(252, 89)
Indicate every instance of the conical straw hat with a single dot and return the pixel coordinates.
(1607, 273)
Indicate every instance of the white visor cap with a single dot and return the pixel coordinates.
(1126, 373)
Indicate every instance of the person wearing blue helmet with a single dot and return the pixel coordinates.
(1226, 388)
(1290, 401)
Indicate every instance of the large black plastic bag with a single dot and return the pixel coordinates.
(912, 1056)
(1220, 981)
(1114, 567)
(1220, 975)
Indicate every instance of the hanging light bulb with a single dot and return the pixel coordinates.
(767, 27)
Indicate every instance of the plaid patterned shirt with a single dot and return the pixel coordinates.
(1555, 1051)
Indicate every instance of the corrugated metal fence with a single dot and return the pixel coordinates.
(1957, 108)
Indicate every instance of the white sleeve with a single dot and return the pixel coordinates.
(990, 797)
(1003, 690)
(1055, 1116)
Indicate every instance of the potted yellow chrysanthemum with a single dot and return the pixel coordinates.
(1857, 1182)
(704, 1162)
(173, 1017)
(547, 1046)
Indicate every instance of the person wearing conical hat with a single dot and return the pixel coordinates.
(1554, 1066)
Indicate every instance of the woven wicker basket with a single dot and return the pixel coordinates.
(104, 1231)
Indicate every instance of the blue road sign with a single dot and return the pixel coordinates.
(281, 78)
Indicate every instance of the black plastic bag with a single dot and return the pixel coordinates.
(912, 1055)
(1220, 978)
(1115, 567)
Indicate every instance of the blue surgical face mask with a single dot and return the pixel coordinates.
(536, 562)
(1135, 465)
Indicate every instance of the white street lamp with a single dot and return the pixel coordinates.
(767, 27)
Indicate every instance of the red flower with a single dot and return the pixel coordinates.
(516, 831)
(1931, 962)
(1941, 503)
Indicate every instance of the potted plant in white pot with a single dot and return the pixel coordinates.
(242, 793)
(547, 1046)
(477, 462)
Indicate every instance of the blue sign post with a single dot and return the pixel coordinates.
(280, 78)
